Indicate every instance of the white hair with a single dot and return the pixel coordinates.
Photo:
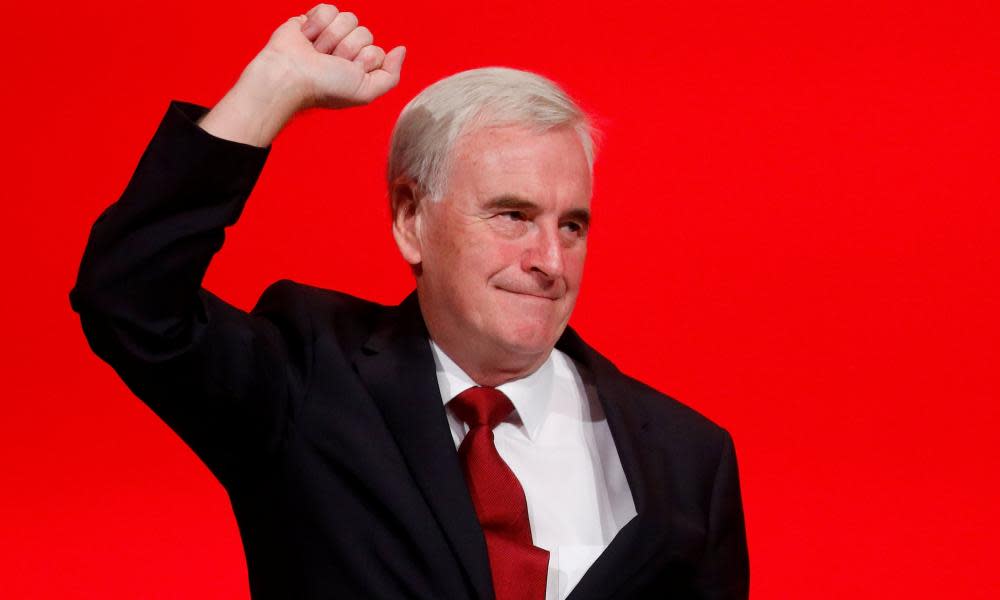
(433, 121)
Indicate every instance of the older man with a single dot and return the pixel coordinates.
(333, 422)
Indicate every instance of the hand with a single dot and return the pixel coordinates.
(320, 59)
(331, 60)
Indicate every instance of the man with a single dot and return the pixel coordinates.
(333, 423)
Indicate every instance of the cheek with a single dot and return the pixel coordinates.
(470, 272)
(446, 255)
(574, 267)
(493, 259)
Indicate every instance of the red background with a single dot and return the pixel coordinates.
(796, 214)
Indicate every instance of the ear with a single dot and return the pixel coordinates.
(405, 200)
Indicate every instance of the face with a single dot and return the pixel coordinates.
(501, 254)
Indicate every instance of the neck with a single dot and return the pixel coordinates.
(487, 366)
(491, 375)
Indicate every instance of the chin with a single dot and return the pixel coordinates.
(530, 340)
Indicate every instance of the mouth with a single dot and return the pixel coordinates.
(531, 294)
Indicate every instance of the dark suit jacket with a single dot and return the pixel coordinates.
(321, 415)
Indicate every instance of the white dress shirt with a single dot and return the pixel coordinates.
(558, 444)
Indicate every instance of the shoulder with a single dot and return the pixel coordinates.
(286, 295)
(300, 307)
(670, 417)
(695, 447)
(671, 421)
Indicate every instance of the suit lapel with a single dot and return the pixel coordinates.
(398, 368)
(642, 537)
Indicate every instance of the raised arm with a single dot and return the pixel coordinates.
(226, 381)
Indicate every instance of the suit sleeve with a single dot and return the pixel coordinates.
(223, 379)
(724, 572)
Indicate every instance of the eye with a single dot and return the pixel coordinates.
(574, 228)
(514, 215)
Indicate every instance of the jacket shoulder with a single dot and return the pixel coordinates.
(674, 422)
(672, 416)
(290, 295)
(299, 303)
(303, 308)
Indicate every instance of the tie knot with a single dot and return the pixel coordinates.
(479, 406)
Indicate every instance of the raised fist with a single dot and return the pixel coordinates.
(320, 59)
(332, 59)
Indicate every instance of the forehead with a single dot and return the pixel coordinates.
(514, 159)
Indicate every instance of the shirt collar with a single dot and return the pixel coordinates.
(530, 395)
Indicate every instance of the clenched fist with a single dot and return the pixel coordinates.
(321, 59)
(333, 58)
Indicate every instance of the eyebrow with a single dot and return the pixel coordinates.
(512, 202)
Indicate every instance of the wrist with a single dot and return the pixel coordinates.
(266, 96)
(274, 81)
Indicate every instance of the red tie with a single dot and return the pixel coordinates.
(519, 567)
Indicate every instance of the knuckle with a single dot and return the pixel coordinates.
(348, 49)
(324, 37)
(349, 17)
(356, 41)
(326, 12)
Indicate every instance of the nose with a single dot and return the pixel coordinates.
(544, 253)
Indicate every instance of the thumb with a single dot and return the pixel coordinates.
(393, 62)
(385, 78)
(292, 25)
